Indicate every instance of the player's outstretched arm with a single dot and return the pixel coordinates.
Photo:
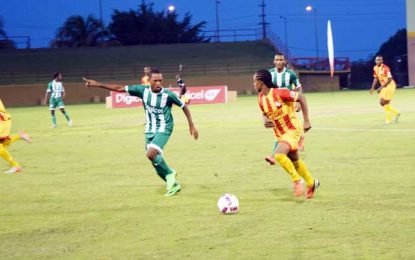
(303, 102)
(192, 129)
(90, 83)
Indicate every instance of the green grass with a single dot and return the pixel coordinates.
(88, 192)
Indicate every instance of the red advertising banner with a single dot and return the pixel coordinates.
(197, 95)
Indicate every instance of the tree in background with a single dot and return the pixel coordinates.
(145, 26)
(394, 52)
(5, 42)
(78, 32)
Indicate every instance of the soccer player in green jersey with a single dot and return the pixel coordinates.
(157, 102)
(57, 94)
(283, 77)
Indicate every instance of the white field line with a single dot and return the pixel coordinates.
(362, 129)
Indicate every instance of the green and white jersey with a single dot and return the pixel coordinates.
(55, 88)
(157, 107)
(285, 79)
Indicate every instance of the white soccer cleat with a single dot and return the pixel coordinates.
(70, 123)
(14, 170)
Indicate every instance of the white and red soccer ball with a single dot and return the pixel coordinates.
(228, 204)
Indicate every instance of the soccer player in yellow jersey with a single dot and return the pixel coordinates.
(145, 79)
(279, 114)
(383, 76)
(6, 140)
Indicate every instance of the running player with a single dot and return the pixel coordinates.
(6, 140)
(382, 75)
(283, 77)
(278, 113)
(57, 94)
(157, 102)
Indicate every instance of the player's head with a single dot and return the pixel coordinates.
(262, 79)
(147, 70)
(279, 60)
(379, 60)
(156, 80)
(57, 76)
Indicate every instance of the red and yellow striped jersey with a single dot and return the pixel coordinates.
(277, 105)
(382, 73)
(3, 113)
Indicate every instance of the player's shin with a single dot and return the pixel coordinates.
(303, 172)
(161, 167)
(288, 166)
(6, 156)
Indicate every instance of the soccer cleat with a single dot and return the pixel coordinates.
(397, 118)
(298, 188)
(171, 180)
(270, 159)
(312, 189)
(14, 170)
(174, 190)
(70, 123)
(53, 126)
(25, 137)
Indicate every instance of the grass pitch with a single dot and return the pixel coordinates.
(88, 192)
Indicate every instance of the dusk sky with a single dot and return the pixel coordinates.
(359, 26)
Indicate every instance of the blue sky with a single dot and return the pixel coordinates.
(359, 26)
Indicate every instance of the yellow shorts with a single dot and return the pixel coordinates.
(5, 127)
(291, 138)
(388, 92)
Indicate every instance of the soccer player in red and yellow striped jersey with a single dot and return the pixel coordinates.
(383, 76)
(6, 140)
(279, 114)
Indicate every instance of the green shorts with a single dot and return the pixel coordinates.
(157, 141)
(56, 103)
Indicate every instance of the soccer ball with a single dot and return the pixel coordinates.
(228, 204)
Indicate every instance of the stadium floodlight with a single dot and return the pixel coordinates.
(171, 8)
(312, 9)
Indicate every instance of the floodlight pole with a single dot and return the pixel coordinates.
(217, 2)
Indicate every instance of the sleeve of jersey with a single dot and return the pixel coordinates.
(176, 100)
(388, 72)
(49, 89)
(135, 90)
(295, 81)
(374, 73)
(286, 95)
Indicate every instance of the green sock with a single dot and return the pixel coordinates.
(161, 167)
(54, 120)
(67, 116)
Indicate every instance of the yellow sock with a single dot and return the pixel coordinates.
(388, 113)
(393, 110)
(6, 155)
(288, 166)
(11, 140)
(303, 172)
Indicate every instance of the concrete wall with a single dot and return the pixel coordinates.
(32, 94)
(410, 25)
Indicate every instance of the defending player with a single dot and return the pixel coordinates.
(382, 75)
(283, 77)
(278, 113)
(157, 102)
(6, 140)
(57, 94)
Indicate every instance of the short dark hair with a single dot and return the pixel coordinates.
(266, 77)
(155, 71)
(279, 54)
(56, 74)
